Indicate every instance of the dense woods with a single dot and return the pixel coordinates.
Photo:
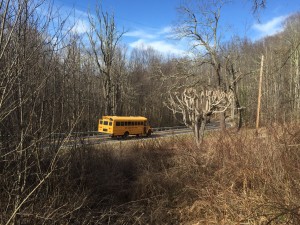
(53, 81)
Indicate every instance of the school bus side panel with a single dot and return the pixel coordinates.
(118, 130)
(120, 127)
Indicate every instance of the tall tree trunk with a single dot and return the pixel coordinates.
(199, 129)
(222, 121)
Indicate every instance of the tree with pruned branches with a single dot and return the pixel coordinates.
(196, 105)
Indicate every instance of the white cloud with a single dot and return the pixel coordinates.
(81, 13)
(80, 27)
(140, 34)
(166, 30)
(158, 39)
(160, 46)
(269, 28)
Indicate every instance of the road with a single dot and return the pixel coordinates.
(158, 133)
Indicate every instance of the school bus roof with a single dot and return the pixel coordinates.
(125, 118)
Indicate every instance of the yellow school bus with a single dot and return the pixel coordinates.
(123, 126)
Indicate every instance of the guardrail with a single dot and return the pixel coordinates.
(96, 133)
(168, 128)
(75, 134)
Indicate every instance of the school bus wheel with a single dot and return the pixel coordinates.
(149, 133)
(126, 134)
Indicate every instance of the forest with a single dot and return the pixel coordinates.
(53, 80)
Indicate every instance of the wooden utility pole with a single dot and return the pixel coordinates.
(259, 93)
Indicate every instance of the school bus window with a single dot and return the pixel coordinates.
(125, 123)
(101, 122)
(122, 123)
(110, 123)
(118, 124)
(130, 123)
(105, 123)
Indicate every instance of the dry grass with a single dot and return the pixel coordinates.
(235, 178)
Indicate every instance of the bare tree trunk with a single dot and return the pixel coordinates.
(259, 93)
(20, 156)
(202, 128)
(297, 83)
(197, 134)
(222, 121)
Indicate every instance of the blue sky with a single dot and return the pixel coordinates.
(149, 22)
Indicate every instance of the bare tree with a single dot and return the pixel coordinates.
(27, 65)
(195, 106)
(104, 39)
(292, 37)
(231, 57)
(257, 5)
(200, 24)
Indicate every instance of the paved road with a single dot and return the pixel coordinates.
(105, 138)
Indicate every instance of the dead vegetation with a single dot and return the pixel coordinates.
(234, 178)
